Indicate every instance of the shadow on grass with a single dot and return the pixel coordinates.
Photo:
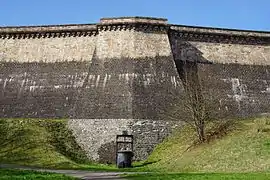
(14, 144)
(145, 164)
(33, 142)
(62, 139)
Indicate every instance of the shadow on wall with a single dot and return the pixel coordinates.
(107, 153)
(129, 88)
(142, 88)
(227, 90)
(187, 59)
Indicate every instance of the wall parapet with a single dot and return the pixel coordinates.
(145, 24)
(214, 37)
(136, 19)
(224, 31)
(145, 27)
(220, 35)
(48, 31)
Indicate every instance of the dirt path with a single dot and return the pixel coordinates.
(82, 174)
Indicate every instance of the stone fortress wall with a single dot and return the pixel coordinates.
(125, 74)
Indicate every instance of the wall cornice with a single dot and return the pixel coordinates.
(145, 27)
(219, 35)
(53, 34)
(52, 31)
(144, 24)
(221, 38)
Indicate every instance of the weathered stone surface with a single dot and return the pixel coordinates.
(234, 53)
(241, 90)
(47, 50)
(48, 28)
(222, 31)
(126, 20)
(127, 88)
(93, 134)
(132, 44)
(127, 74)
(223, 53)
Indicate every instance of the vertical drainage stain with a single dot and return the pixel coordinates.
(97, 81)
(22, 85)
(105, 81)
(238, 91)
(4, 87)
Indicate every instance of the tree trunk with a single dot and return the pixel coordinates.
(200, 128)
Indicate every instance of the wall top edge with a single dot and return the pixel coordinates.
(132, 21)
(135, 19)
(48, 28)
(221, 31)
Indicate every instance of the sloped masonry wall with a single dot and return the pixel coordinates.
(107, 78)
(237, 90)
(47, 50)
(126, 88)
(234, 76)
(134, 94)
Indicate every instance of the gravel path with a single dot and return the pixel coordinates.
(82, 174)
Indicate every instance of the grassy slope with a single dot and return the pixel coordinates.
(47, 144)
(202, 176)
(6, 174)
(244, 149)
(38, 143)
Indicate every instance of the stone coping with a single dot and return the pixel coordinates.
(48, 28)
(127, 23)
(223, 31)
(136, 19)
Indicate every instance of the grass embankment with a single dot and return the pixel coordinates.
(203, 176)
(40, 143)
(7, 174)
(243, 146)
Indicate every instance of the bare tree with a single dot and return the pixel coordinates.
(199, 105)
(195, 103)
(192, 107)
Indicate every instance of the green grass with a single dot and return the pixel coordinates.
(48, 143)
(201, 176)
(245, 148)
(40, 143)
(7, 174)
(45, 143)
